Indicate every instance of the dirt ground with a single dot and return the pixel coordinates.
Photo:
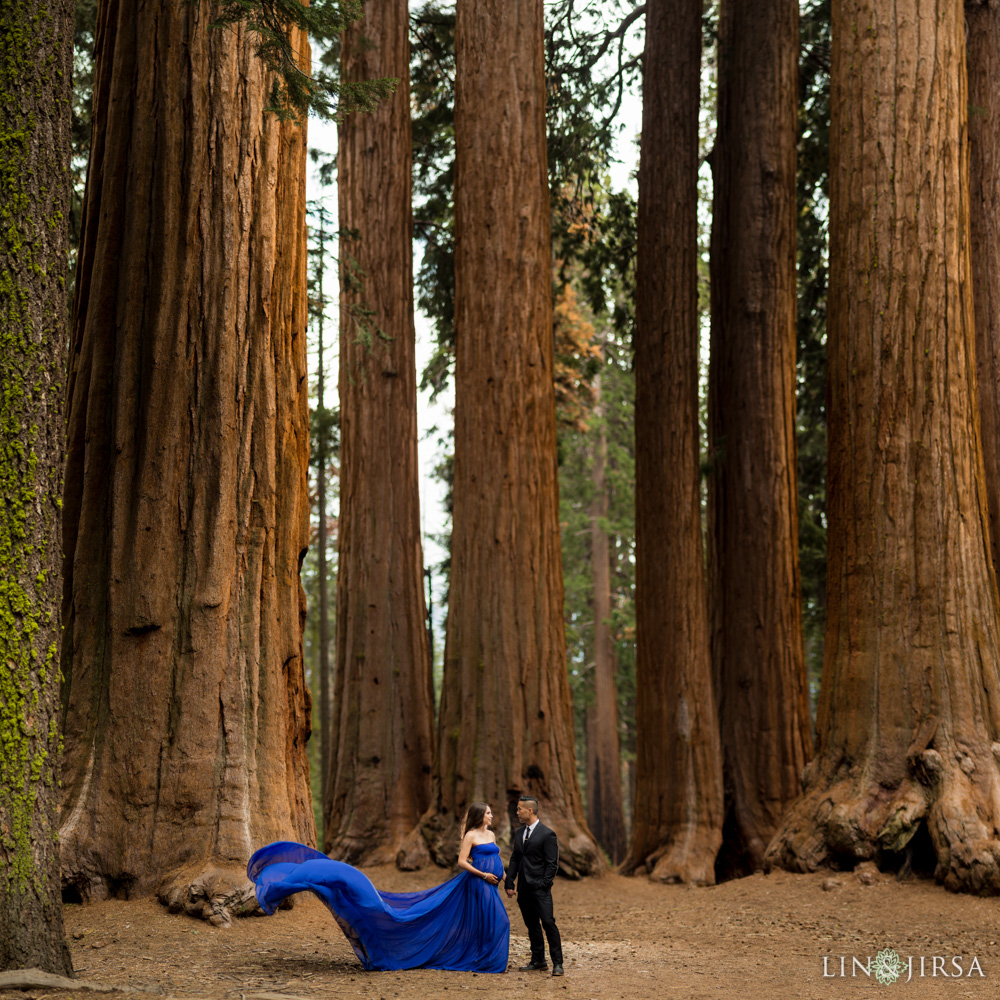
(763, 936)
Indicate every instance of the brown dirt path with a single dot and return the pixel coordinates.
(763, 936)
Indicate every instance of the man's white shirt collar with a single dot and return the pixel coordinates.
(531, 829)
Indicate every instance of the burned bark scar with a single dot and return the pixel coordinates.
(143, 628)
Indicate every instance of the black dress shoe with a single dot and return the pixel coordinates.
(557, 970)
(534, 967)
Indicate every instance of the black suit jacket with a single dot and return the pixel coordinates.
(535, 864)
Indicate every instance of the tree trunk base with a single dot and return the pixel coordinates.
(413, 855)
(955, 796)
(211, 893)
(441, 835)
(688, 859)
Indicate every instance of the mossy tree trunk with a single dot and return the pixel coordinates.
(909, 710)
(186, 503)
(383, 731)
(758, 655)
(982, 18)
(36, 53)
(677, 812)
(505, 722)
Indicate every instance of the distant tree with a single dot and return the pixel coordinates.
(909, 708)
(505, 721)
(383, 733)
(597, 509)
(185, 504)
(36, 50)
(323, 235)
(677, 813)
(605, 809)
(757, 649)
(982, 18)
(813, 266)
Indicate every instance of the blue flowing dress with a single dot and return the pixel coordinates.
(461, 924)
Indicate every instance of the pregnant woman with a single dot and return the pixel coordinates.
(461, 924)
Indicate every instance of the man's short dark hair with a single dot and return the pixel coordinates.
(532, 799)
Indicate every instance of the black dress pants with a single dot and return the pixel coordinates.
(536, 909)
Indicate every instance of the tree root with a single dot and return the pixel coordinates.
(855, 817)
(30, 979)
(210, 893)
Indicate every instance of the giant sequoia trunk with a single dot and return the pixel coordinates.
(36, 55)
(909, 709)
(186, 507)
(382, 740)
(677, 813)
(983, 49)
(758, 655)
(605, 812)
(505, 725)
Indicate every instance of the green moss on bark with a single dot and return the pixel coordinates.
(33, 136)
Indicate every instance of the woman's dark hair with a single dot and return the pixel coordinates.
(474, 817)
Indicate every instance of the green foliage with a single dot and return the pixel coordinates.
(813, 252)
(324, 437)
(432, 86)
(592, 58)
(295, 93)
(83, 93)
(324, 428)
(612, 416)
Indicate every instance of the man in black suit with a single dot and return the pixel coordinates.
(534, 863)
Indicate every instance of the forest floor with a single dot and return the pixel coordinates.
(762, 936)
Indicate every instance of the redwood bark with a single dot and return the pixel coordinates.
(758, 655)
(36, 56)
(910, 701)
(186, 502)
(383, 732)
(505, 723)
(605, 812)
(982, 18)
(677, 817)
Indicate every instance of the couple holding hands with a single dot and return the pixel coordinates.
(460, 925)
(534, 862)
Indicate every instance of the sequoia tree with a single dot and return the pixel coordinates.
(909, 710)
(505, 721)
(758, 655)
(382, 739)
(982, 19)
(677, 812)
(36, 49)
(186, 506)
